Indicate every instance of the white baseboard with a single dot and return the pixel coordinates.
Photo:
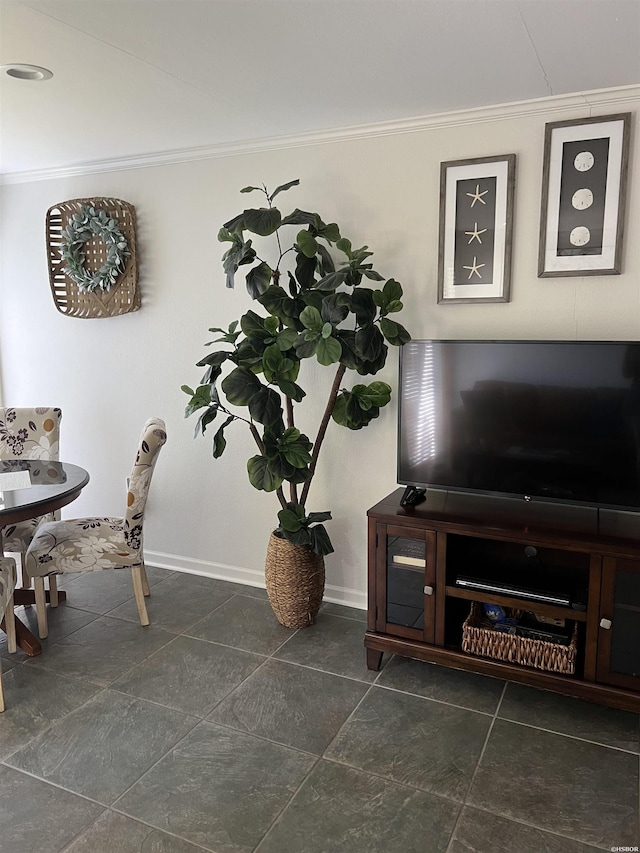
(237, 574)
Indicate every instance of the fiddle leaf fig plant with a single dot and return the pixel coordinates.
(313, 302)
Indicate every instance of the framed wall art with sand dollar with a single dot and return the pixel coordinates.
(583, 196)
(476, 224)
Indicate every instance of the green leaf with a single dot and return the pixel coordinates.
(251, 189)
(311, 319)
(332, 280)
(305, 270)
(328, 351)
(239, 253)
(296, 455)
(187, 390)
(344, 245)
(272, 359)
(276, 302)
(330, 232)
(362, 303)
(202, 396)
(373, 275)
(291, 390)
(307, 244)
(326, 330)
(240, 386)
(213, 359)
(235, 225)
(204, 420)
(265, 407)
(395, 334)
(253, 326)
(369, 343)
(299, 217)
(226, 236)
(366, 367)
(393, 306)
(289, 520)
(219, 441)
(261, 476)
(320, 542)
(304, 348)
(316, 517)
(263, 221)
(335, 308)
(374, 394)
(286, 339)
(258, 280)
(326, 261)
(299, 537)
(283, 187)
(392, 290)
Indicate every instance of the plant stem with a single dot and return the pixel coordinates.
(322, 429)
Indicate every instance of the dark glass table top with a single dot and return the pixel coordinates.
(53, 484)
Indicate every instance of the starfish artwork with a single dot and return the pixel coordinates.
(474, 267)
(477, 196)
(475, 234)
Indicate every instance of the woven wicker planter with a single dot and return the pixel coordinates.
(295, 582)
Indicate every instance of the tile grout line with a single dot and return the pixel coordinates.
(475, 772)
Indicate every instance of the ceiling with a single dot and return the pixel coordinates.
(134, 77)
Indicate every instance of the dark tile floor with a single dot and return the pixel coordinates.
(216, 729)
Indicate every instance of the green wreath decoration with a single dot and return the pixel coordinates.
(82, 226)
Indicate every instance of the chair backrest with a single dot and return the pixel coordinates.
(154, 435)
(30, 433)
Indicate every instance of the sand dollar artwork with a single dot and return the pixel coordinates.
(582, 199)
(584, 161)
(580, 236)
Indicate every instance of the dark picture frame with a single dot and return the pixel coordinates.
(584, 181)
(476, 229)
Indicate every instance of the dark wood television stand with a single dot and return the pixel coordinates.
(418, 556)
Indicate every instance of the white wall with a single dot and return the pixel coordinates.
(109, 375)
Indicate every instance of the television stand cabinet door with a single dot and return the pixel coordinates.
(402, 570)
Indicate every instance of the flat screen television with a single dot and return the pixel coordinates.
(546, 420)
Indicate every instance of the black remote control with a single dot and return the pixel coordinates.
(412, 496)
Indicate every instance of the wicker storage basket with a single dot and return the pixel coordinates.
(124, 296)
(295, 582)
(488, 643)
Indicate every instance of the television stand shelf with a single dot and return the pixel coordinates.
(419, 554)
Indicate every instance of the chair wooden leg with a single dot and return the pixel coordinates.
(145, 582)
(53, 590)
(138, 591)
(10, 627)
(41, 607)
(26, 580)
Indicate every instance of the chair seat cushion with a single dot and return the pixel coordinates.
(82, 545)
(16, 537)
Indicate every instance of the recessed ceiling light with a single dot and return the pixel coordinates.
(26, 72)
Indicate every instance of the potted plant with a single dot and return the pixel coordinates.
(319, 309)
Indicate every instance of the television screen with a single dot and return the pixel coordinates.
(550, 420)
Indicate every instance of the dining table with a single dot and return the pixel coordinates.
(30, 488)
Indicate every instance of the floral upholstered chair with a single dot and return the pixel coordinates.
(28, 434)
(7, 585)
(93, 544)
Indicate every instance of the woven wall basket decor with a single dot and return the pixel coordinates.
(123, 296)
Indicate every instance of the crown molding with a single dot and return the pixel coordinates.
(618, 97)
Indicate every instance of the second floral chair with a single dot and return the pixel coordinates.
(27, 433)
(93, 544)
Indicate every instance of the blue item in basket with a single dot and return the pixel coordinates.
(494, 613)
